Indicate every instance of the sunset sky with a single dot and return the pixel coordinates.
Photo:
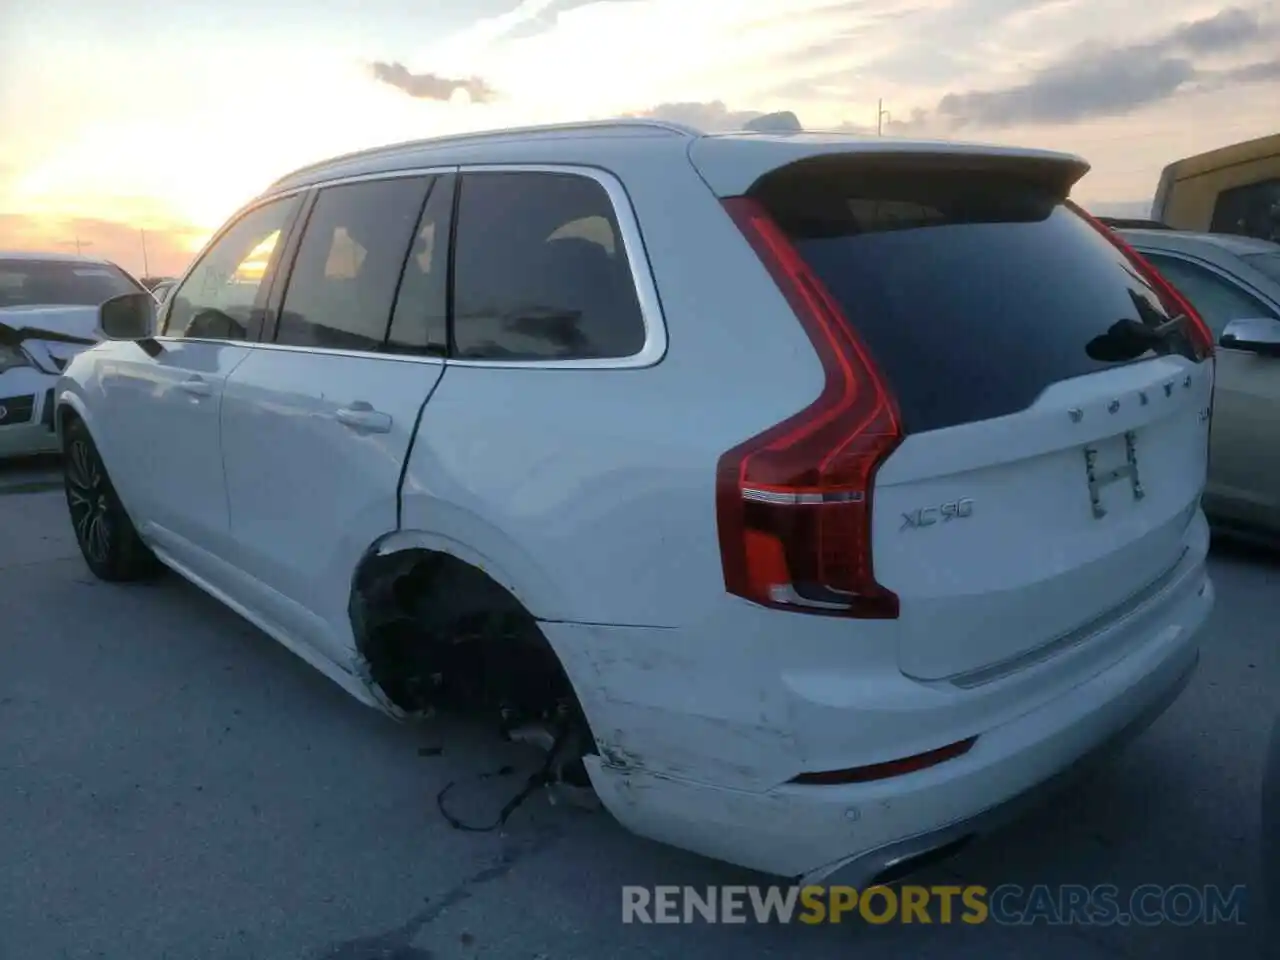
(128, 116)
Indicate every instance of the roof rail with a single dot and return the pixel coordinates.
(585, 125)
(1132, 223)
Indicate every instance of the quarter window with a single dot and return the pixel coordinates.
(348, 266)
(540, 271)
(224, 296)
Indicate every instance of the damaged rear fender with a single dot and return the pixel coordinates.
(431, 524)
(493, 597)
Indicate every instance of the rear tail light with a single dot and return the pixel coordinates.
(793, 504)
(1173, 301)
(888, 769)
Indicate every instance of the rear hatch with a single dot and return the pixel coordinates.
(1054, 453)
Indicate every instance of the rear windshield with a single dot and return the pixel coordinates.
(37, 283)
(1268, 263)
(973, 291)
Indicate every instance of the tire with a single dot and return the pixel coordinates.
(106, 536)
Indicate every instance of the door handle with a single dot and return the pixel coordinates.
(197, 387)
(361, 416)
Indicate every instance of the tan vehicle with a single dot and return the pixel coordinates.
(1234, 283)
(1234, 189)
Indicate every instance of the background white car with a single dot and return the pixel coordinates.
(48, 313)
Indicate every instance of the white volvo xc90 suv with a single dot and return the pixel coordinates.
(818, 499)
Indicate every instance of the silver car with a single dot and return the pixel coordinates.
(1234, 282)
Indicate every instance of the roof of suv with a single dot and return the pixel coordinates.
(53, 257)
(544, 143)
(1182, 239)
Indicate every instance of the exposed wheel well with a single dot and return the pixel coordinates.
(438, 632)
(66, 415)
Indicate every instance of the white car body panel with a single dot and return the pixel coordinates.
(159, 420)
(976, 591)
(589, 495)
(308, 492)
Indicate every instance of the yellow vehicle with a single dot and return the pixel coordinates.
(1233, 189)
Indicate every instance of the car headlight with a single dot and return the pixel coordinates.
(11, 357)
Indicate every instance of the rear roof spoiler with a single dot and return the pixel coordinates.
(732, 163)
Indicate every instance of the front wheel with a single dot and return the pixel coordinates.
(106, 536)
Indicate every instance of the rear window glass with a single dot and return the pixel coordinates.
(973, 291)
(34, 283)
(1268, 263)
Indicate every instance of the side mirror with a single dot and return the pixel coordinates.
(1260, 335)
(130, 316)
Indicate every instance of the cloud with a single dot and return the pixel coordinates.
(1098, 81)
(540, 16)
(709, 117)
(1260, 72)
(714, 116)
(430, 86)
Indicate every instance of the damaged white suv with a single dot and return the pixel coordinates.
(818, 498)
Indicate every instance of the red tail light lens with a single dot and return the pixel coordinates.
(888, 769)
(793, 504)
(1174, 302)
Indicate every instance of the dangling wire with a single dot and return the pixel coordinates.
(540, 778)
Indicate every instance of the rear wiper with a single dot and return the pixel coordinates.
(1129, 339)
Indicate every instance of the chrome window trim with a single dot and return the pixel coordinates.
(655, 343)
(261, 201)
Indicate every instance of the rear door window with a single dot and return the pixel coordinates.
(419, 323)
(348, 267)
(973, 291)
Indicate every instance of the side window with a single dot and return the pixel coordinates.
(1252, 210)
(224, 297)
(1217, 299)
(348, 265)
(419, 324)
(540, 272)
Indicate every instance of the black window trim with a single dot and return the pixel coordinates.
(1217, 271)
(288, 231)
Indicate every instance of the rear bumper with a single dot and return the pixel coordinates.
(886, 862)
(698, 748)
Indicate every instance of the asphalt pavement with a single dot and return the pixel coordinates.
(176, 785)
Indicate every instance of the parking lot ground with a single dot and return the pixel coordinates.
(30, 474)
(174, 784)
